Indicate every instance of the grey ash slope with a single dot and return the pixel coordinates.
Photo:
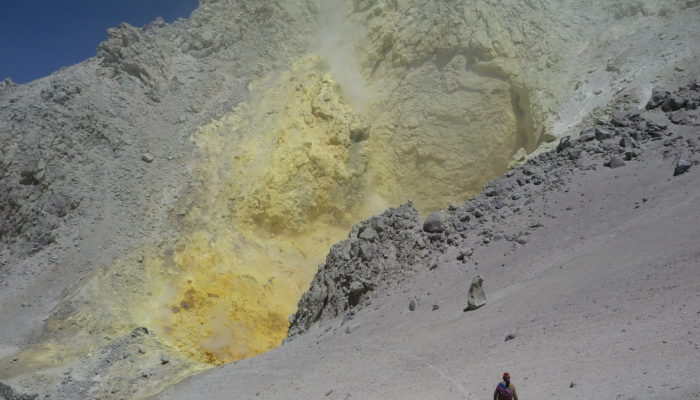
(591, 276)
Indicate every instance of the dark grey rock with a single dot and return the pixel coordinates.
(680, 118)
(574, 154)
(658, 95)
(368, 233)
(615, 162)
(682, 166)
(435, 307)
(620, 118)
(434, 223)
(586, 136)
(529, 170)
(564, 143)
(522, 240)
(673, 103)
(632, 154)
(34, 172)
(662, 126)
(356, 290)
(412, 305)
(377, 223)
(464, 254)
(359, 129)
(602, 134)
(367, 252)
(627, 142)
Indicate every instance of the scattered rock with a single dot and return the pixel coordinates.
(412, 305)
(564, 143)
(368, 233)
(356, 290)
(351, 327)
(620, 118)
(681, 167)
(615, 162)
(521, 240)
(377, 223)
(464, 254)
(434, 223)
(359, 128)
(509, 336)
(602, 134)
(476, 297)
(34, 172)
(147, 157)
(586, 136)
(367, 252)
(658, 95)
(673, 103)
(627, 142)
(436, 307)
(680, 118)
(574, 154)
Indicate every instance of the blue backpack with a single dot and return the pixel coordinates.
(503, 392)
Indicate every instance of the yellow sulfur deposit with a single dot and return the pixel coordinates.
(282, 177)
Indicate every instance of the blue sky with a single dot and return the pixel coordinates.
(37, 37)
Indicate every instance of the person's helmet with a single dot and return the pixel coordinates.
(506, 376)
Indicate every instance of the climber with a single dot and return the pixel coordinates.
(505, 390)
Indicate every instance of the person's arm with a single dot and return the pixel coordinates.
(515, 394)
(495, 394)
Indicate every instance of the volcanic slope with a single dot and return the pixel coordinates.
(591, 273)
(164, 204)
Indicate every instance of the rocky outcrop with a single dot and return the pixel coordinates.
(379, 252)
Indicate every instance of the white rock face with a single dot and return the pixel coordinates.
(269, 128)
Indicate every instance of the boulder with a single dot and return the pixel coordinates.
(681, 167)
(615, 162)
(658, 95)
(586, 136)
(564, 143)
(620, 118)
(627, 142)
(367, 252)
(602, 134)
(368, 234)
(476, 297)
(434, 223)
(673, 103)
(680, 118)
